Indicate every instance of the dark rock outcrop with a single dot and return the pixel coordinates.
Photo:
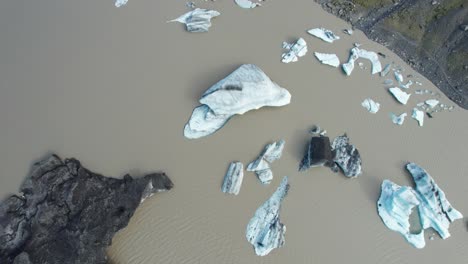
(68, 214)
(430, 36)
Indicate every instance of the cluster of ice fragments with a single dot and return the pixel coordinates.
(397, 202)
(294, 50)
(245, 89)
(261, 166)
(265, 231)
(197, 20)
(340, 154)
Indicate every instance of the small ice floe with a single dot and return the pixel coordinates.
(265, 231)
(247, 3)
(348, 31)
(418, 115)
(388, 82)
(371, 106)
(197, 20)
(386, 70)
(119, 3)
(432, 103)
(328, 59)
(233, 178)
(406, 85)
(396, 203)
(261, 166)
(357, 53)
(245, 89)
(399, 95)
(398, 76)
(398, 119)
(347, 156)
(294, 50)
(323, 34)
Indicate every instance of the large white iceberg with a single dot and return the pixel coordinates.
(396, 203)
(328, 59)
(119, 3)
(323, 34)
(247, 3)
(399, 95)
(265, 231)
(261, 165)
(371, 105)
(294, 51)
(357, 53)
(398, 119)
(197, 20)
(233, 178)
(245, 89)
(418, 115)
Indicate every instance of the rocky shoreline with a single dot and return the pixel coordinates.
(431, 36)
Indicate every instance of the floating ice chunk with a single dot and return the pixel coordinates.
(294, 50)
(197, 20)
(418, 115)
(247, 4)
(407, 85)
(386, 70)
(435, 210)
(388, 82)
(371, 106)
(357, 53)
(323, 34)
(398, 76)
(432, 103)
(245, 89)
(399, 95)
(233, 178)
(398, 119)
(329, 59)
(265, 231)
(316, 130)
(119, 3)
(260, 166)
(318, 153)
(395, 206)
(348, 31)
(346, 156)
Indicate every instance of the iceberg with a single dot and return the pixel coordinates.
(323, 34)
(318, 153)
(261, 166)
(265, 231)
(119, 3)
(346, 156)
(397, 202)
(245, 89)
(395, 206)
(247, 4)
(432, 103)
(418, 115)
(328, 59)
(197, 20)
(398, 76)
(357, 53)
(233, 178)
(399, 95)
(386, 70)
(294, 51)
(371, 106)
(398, 119)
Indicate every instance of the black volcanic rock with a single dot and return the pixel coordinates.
(431, 36)
(68, 214)
(318, 153)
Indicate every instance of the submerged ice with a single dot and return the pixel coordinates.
(197, 20)
(357, 53)
(245, 89)
(294, 51)
(265, 231)
(396, 204)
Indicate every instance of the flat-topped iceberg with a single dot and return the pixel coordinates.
(357, 53)
(347, 156)
(245, 89)
(398, 119)
(119, 3)
(328, 59)
(247, 3)
(370, 105)
(323, 34)
(261, 165)
(197, 20)
(294, 51)
(396, 204)
(265, 231)
(418, 115)
(399, 95)
(233, 178)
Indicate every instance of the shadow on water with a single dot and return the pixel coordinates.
(371, 186)
(299, 144)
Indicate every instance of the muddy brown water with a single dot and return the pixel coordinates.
(114, 88)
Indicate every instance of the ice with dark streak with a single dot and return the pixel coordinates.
(233, 178)
(197, 20)
(265, 231)
(347, 156)
(397, 202)
(245, 89)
